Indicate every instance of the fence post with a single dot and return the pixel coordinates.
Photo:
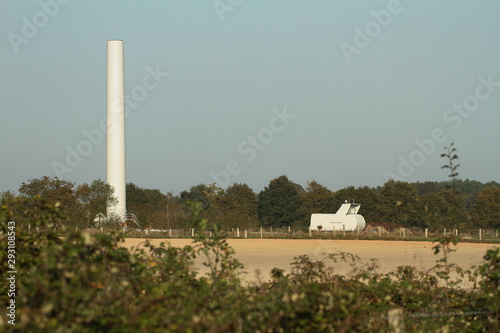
(288, 229)
(396, 320)
(192, 232)
(426, 233)
(456, 232)
(404, 233)
(246, 234)
(237, 232)
(170, 233)
(310, 232)
(261, 232)
(444, 232)
(379, 231)
(480, 234)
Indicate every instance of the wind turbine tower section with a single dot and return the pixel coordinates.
(115, 134)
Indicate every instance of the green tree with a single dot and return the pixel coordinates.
(145, 203)
(201, 192)
(94, 198)
(468, 186)
(469, 189)
(485, 212)
(428, 187)
(208, 195)
(237, 207)
(398, 201)
(7, 196)
(172, 215)
(316, 199)
(56, 191)
(341, 196)
(457, 215)
(370, 203)
(433, 210)
(280, 203)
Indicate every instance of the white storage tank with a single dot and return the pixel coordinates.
(346, 218)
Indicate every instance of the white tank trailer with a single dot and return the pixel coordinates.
(346, 218)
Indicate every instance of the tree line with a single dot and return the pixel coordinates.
(282, 203)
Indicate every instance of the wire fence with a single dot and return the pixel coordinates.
(369, 233)
(473, 235)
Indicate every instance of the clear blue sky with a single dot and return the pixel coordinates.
(364, 90)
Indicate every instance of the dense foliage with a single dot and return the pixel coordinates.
(280, 204)
(71, 281)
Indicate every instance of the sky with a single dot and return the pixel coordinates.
(240, 91)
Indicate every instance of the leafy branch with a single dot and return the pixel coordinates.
(447, 240)
(212, 244)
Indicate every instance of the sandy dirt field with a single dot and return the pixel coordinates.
(260, 256)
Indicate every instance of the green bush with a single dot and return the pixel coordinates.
(72, 281)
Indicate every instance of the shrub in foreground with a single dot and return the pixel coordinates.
(71, 281)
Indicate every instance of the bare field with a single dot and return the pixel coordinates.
(260, 256)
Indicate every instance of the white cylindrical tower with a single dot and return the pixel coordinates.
(115, 156)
